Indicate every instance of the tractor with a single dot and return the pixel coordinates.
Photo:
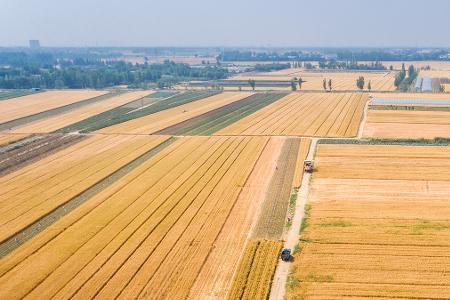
(286, 254)
(308, 166)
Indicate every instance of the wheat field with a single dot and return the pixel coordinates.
(378, 225)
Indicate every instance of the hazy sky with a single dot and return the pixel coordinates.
(225, 23)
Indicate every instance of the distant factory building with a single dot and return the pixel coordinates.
(34, 44)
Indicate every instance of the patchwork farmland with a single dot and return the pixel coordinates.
(187, 194)
(377, 224)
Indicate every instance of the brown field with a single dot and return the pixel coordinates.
(317, 114)
(378, 224)
(59, 121)
(20, 107)
(169, 117)
(407, 124)
(146, 235)
(256, 269)
(6, 139)
(37, 189)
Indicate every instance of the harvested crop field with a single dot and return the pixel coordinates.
(272, 218)
(35, 190)
(378, 225)
(407, 124)
(219, 118)
(172, 116)
(53, 123)
(256, 269)
(315, 114)
(146, 235)
(20, 107)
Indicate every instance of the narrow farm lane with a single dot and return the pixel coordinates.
(278, 289)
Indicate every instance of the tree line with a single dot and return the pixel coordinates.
(23, 71)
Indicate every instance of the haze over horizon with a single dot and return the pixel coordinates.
(289, 23)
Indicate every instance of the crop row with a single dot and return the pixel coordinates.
(35, 190)
(20, 107)
(378, 224)
(255, 272)
(156, 122)
(147, 234)
(330, 115)
(136, 109)
(62, 120)
(217, 119)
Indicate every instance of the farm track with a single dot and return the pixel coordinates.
(188, 222)
(32, 230)
(219, 118)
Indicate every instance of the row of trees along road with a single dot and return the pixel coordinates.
(327, 84)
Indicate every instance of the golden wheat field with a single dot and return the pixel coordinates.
(414, 96)
(315, 114)
(378, 224)
(166, 118)
(37, 189)
(20, 107)
(56, 122)
(216, 276)
(255, 272)
(147, 235)
(407, 124)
